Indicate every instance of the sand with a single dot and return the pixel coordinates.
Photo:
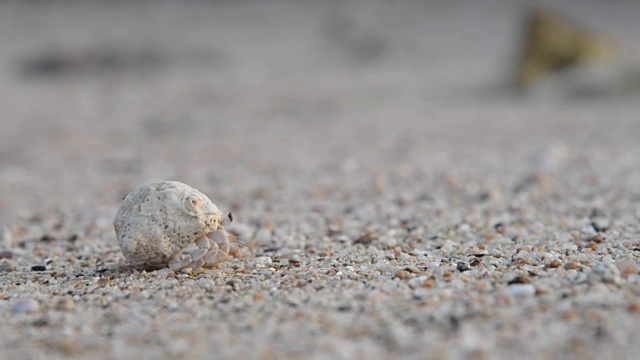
(394, 202)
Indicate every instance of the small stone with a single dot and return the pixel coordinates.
(67, 346)
(571, 265)
(26, 306)
(264, 260)
(600, 224)
(570, 315)
(6, 254)
(402, 274)
(627, 268)
(462, 266)
(47, 238)
(366, 238)
(483, 285)
(65, 305)
(606, 273)
(7, 266)
(38, 268)
(519, 280)
(296, 263)
(418, 282)
(522, 290)
(597, 238)
(554, 264)
(206, 283)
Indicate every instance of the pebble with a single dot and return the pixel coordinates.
(264, 260)
(523, 279)
(402, 274)
(65, 305)
(522, 290)
(205, 283)
(38, 268)
(600, 223)
(554, 264)
(571, 265)
(418, 281)
(6, 254)
(606, 273)
(462, 266)
(7, 266)
(627, 268)
(483, 286)
(26, 306)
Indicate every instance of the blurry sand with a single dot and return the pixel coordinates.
(397, 203)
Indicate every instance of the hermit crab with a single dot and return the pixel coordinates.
(171, 226)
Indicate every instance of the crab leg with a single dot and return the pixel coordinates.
(220, 237)
(234, 248)
(213, 248)
(219, 240)
(195, 258)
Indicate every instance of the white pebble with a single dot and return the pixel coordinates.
(264, 260)
(421, 252)
(205, 283)
(418, 281)
(26, 306)
(606, 273)
(522, 290)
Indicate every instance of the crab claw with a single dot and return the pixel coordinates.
(220, 238)
(214, 257)
(219, 243)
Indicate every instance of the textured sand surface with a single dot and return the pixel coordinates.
(395, 203)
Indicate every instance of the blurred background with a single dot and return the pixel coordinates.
(238, 96)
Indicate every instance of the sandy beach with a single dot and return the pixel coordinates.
(395, 199)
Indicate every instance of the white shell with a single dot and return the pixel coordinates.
(156, 222)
